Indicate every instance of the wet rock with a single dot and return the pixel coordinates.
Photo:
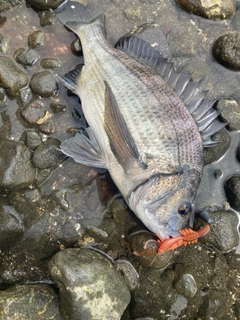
(32, 139)
(48, 154)
(213, 9)
(216, 304)
(29, 302)
(223, 234)
(47, 127)
(26, 57)
(36, 39)
(48, 63)
(8, 4)
(45, 5)
(56, 107)
(44, 83)
(186, 284)
(129, 272)
(76, 47)
(226, 50)
(11, 77)
(230, 112)
(16, 169)
(33, 111)
(90, 287)
(46, 18)
(97, 233)
(233, 192)
(11, 225)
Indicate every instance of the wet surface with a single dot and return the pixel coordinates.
(58, 204)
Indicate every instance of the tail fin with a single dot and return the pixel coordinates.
(71, 11)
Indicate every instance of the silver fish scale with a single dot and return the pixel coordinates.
(163, 130)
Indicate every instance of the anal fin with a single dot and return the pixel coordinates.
(85, 150)
(120, 138)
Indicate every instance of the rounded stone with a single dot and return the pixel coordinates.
(226, 50)
(32, 139)
(11, 77)
(90, 286)
(26, 57)
(48, 63)
(186, 285)
(33, 111)
(36, 39)
(48, 154)
(232, 188)
(44, 83)
(46, 18)
(211, 9)
(230, 112)
(45, 5)
(16, 169)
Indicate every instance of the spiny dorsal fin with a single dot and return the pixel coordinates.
(85, 150)
(70, 78)
(204, 115)
(120, 138)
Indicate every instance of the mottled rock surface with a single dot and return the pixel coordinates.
(211, 9)
(42, 302)
(45, 5)
(226, 50)
(44, 84)
(90, 287)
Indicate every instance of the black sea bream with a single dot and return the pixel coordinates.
(147, 124)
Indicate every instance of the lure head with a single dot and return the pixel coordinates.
(165, 203)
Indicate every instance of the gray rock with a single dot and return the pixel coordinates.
(35, 302)
(230, 112)
(186, 285)
(48, 154)
(32, 139)
(90, 287)
(226, 50)
(223, 234)
(16, 169)
(47, 127)
(44, 83)
(11, 77)
(36, 39)
(34, 111)
(11, 225)
(45, 5)
(26, 57)
(233, 192)
(221, 9)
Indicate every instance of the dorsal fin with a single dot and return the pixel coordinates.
(204, 115)
(69, 79)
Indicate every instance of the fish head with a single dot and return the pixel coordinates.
(165, 204)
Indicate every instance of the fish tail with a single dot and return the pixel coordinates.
(74, 16)
(71, 11)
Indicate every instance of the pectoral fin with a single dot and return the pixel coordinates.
(85, 150)
(120, 138)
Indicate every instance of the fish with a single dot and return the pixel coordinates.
(148, 124)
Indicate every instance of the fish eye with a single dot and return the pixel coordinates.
(184, 208)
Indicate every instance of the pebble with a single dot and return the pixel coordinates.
(48, 154)
(186, 285)
(76, 47)
(18, 79)
(211, 9)
(34, 111)
(226, 50)
(230, 112)
(29, 302)
(32, 139)
(16, 169)
(36, 39)
(6, 4)
(57, 107)
(46, 18)
(26, 57)
(48, 63)
(133, 13)
(89, 285)
(47, 127)
(44, 83)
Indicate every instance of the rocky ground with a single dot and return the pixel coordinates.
(52, 209)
